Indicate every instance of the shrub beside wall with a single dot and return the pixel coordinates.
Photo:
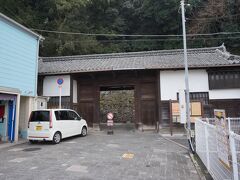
(119, 102)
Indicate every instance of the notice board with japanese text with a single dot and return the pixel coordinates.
(223, 148)
(195, 111)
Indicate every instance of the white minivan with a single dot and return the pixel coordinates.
(54, 125)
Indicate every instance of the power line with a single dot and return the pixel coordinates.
(109, 35)
(133, 35)
(14, 15)
(141, 40)
(211, 5)
(213, 34)
(213, 18)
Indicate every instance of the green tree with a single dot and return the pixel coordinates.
(123, 17)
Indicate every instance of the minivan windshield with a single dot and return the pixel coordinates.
(37, 116)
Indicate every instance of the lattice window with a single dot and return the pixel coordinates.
(224, 79)
(198, 96)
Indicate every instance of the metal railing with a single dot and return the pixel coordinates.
(208, 150)
(235, 152)
(234, 125)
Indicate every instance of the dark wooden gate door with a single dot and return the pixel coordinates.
(148, 103)
(86, 96)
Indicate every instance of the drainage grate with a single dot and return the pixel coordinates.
(32, 149)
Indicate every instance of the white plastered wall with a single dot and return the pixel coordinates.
(173, 81)
(50, 86)
(224, 94)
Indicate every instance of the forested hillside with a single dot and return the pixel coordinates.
(125, 17)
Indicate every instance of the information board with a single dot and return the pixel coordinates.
(195, 111)
(223, 148)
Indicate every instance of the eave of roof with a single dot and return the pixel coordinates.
(21, 26)
(163, 59)
(9, 90)
(129, 54)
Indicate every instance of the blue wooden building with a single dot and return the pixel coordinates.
(19, 49)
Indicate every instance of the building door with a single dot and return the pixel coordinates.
(11, 120)
(2, 122)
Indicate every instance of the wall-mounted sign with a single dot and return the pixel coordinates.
(175, 109)
(196, 109)
(175, 112)
(223, 149)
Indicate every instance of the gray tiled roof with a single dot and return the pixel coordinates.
(163, 59)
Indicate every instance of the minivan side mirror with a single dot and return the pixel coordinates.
(77, 118)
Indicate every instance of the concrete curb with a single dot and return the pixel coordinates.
(197, 167)
(175, 143)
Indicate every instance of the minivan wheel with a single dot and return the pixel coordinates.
(84, 131)
(32, 141)
(57, 138)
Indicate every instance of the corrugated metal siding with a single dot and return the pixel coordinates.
(18, 51)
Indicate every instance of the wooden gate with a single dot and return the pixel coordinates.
(145, 94)
(86, 96)
(148, 106)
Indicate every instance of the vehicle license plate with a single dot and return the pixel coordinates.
(38, 128)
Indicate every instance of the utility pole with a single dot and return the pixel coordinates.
(186, 73)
